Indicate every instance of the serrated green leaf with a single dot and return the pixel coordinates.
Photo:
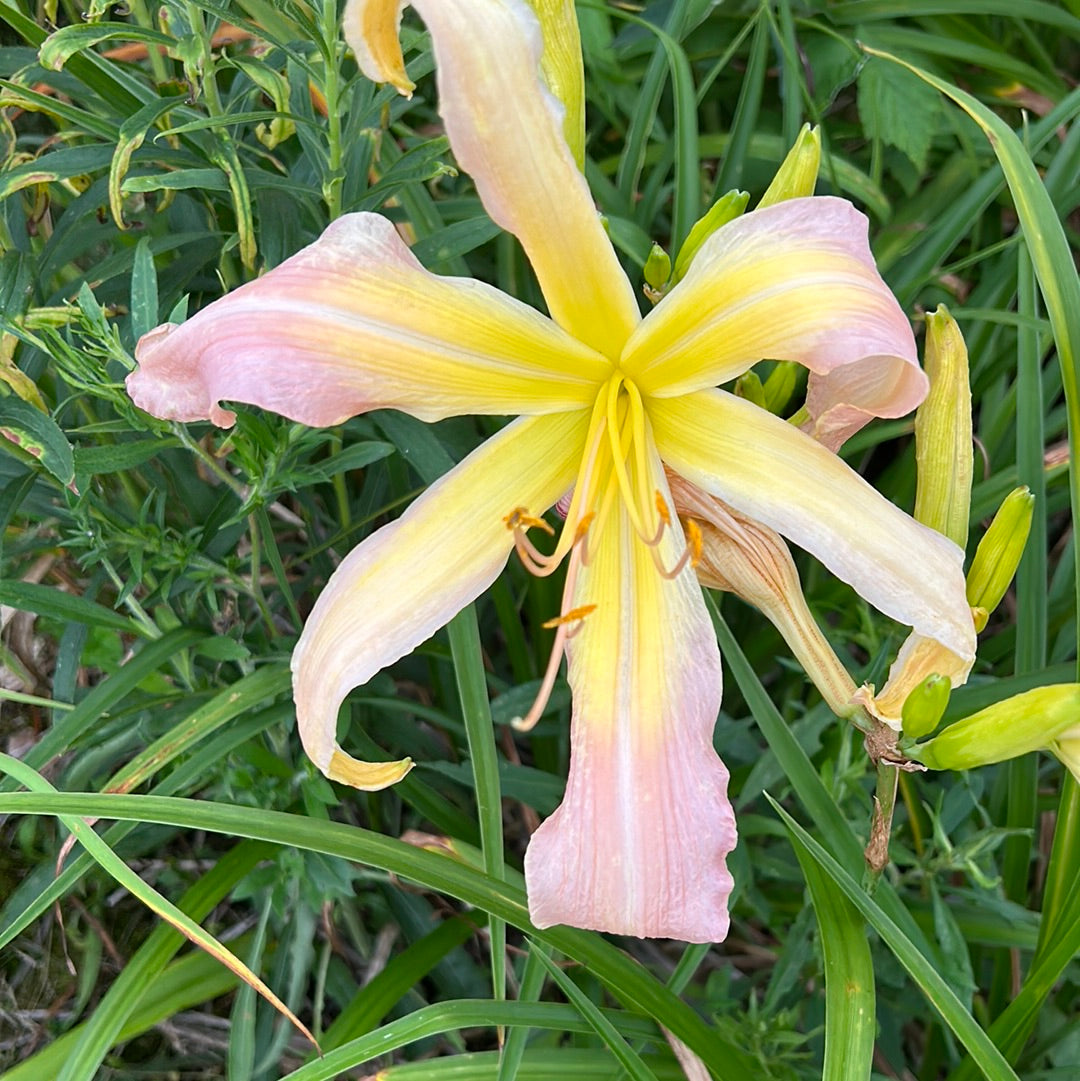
(899, 109)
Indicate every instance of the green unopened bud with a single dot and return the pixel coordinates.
(1026, 722)
(998, 554)
(925, 706)
(727, 208)
(1067, 748)
(943, 447)
(657, 269)
(780, 386)
(798, 172)
(562, 67)
(748, 386)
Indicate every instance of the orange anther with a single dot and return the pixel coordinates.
(694, 541)
(520, 518)
(662, 509)
(583, 526)
(569, 617)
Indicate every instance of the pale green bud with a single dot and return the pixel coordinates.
(748, 386)
(798, 172)
(943, 447)
(1026, 722)
(923, 709)
(998, 554)
(657, 269)
(780, 386)
(563, 69)
(727, 208)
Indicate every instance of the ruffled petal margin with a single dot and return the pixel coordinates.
(793, 281)
(409, 578)
(770, 471)
(354, 322)
(638, 846)
(506, 131)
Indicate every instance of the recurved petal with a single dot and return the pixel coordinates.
(506, 132)
(919, 658)
(409, 578)
(638, 846)
(793, 281)
(354, 322)
(772, 472)
(371, 28)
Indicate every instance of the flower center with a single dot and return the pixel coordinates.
(614, 469)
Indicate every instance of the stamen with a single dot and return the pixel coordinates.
(662, 509)
(573, 616)
(691, 553)
(520, 518)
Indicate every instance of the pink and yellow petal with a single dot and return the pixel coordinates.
(639, 844)
(353, 322)
(371, 28)
(409, 578)
(794, 281)
(770, 471)
(506, 131)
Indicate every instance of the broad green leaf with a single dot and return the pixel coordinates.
(37, 435)
(849, 976)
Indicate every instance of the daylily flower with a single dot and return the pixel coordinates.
(605, 400)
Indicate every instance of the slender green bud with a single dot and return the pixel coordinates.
(657, 269)
(748, 386)
(727, 208)
(923, 709)
(943, 447)
(798, 172)
(1026, 722)
(780, 385)
(563, 69)
(998, 554)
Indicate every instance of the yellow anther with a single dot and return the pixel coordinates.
(572, 616)
(520, 518)
(662, 509)
(694, 541)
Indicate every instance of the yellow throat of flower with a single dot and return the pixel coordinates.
(614, 472)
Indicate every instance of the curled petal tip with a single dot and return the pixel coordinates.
(168, 386)
(366, 776)
(371, 28)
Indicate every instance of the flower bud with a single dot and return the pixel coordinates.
(925, 706)
(1026, 722)
(749, 386)
(798, 172)
(998, 554)
(657, 270)
(780, 386)
(943, 447)
(726, 208)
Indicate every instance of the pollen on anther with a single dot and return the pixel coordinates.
(662, 509)
(572, 616)
(694, 541)
(520, 518)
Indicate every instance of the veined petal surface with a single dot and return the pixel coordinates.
(506, 131)
(793, 281)
(638, 845)
(770, 471)
(409, 578)
(354, 322)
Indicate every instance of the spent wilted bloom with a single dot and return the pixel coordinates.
(605, 400)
